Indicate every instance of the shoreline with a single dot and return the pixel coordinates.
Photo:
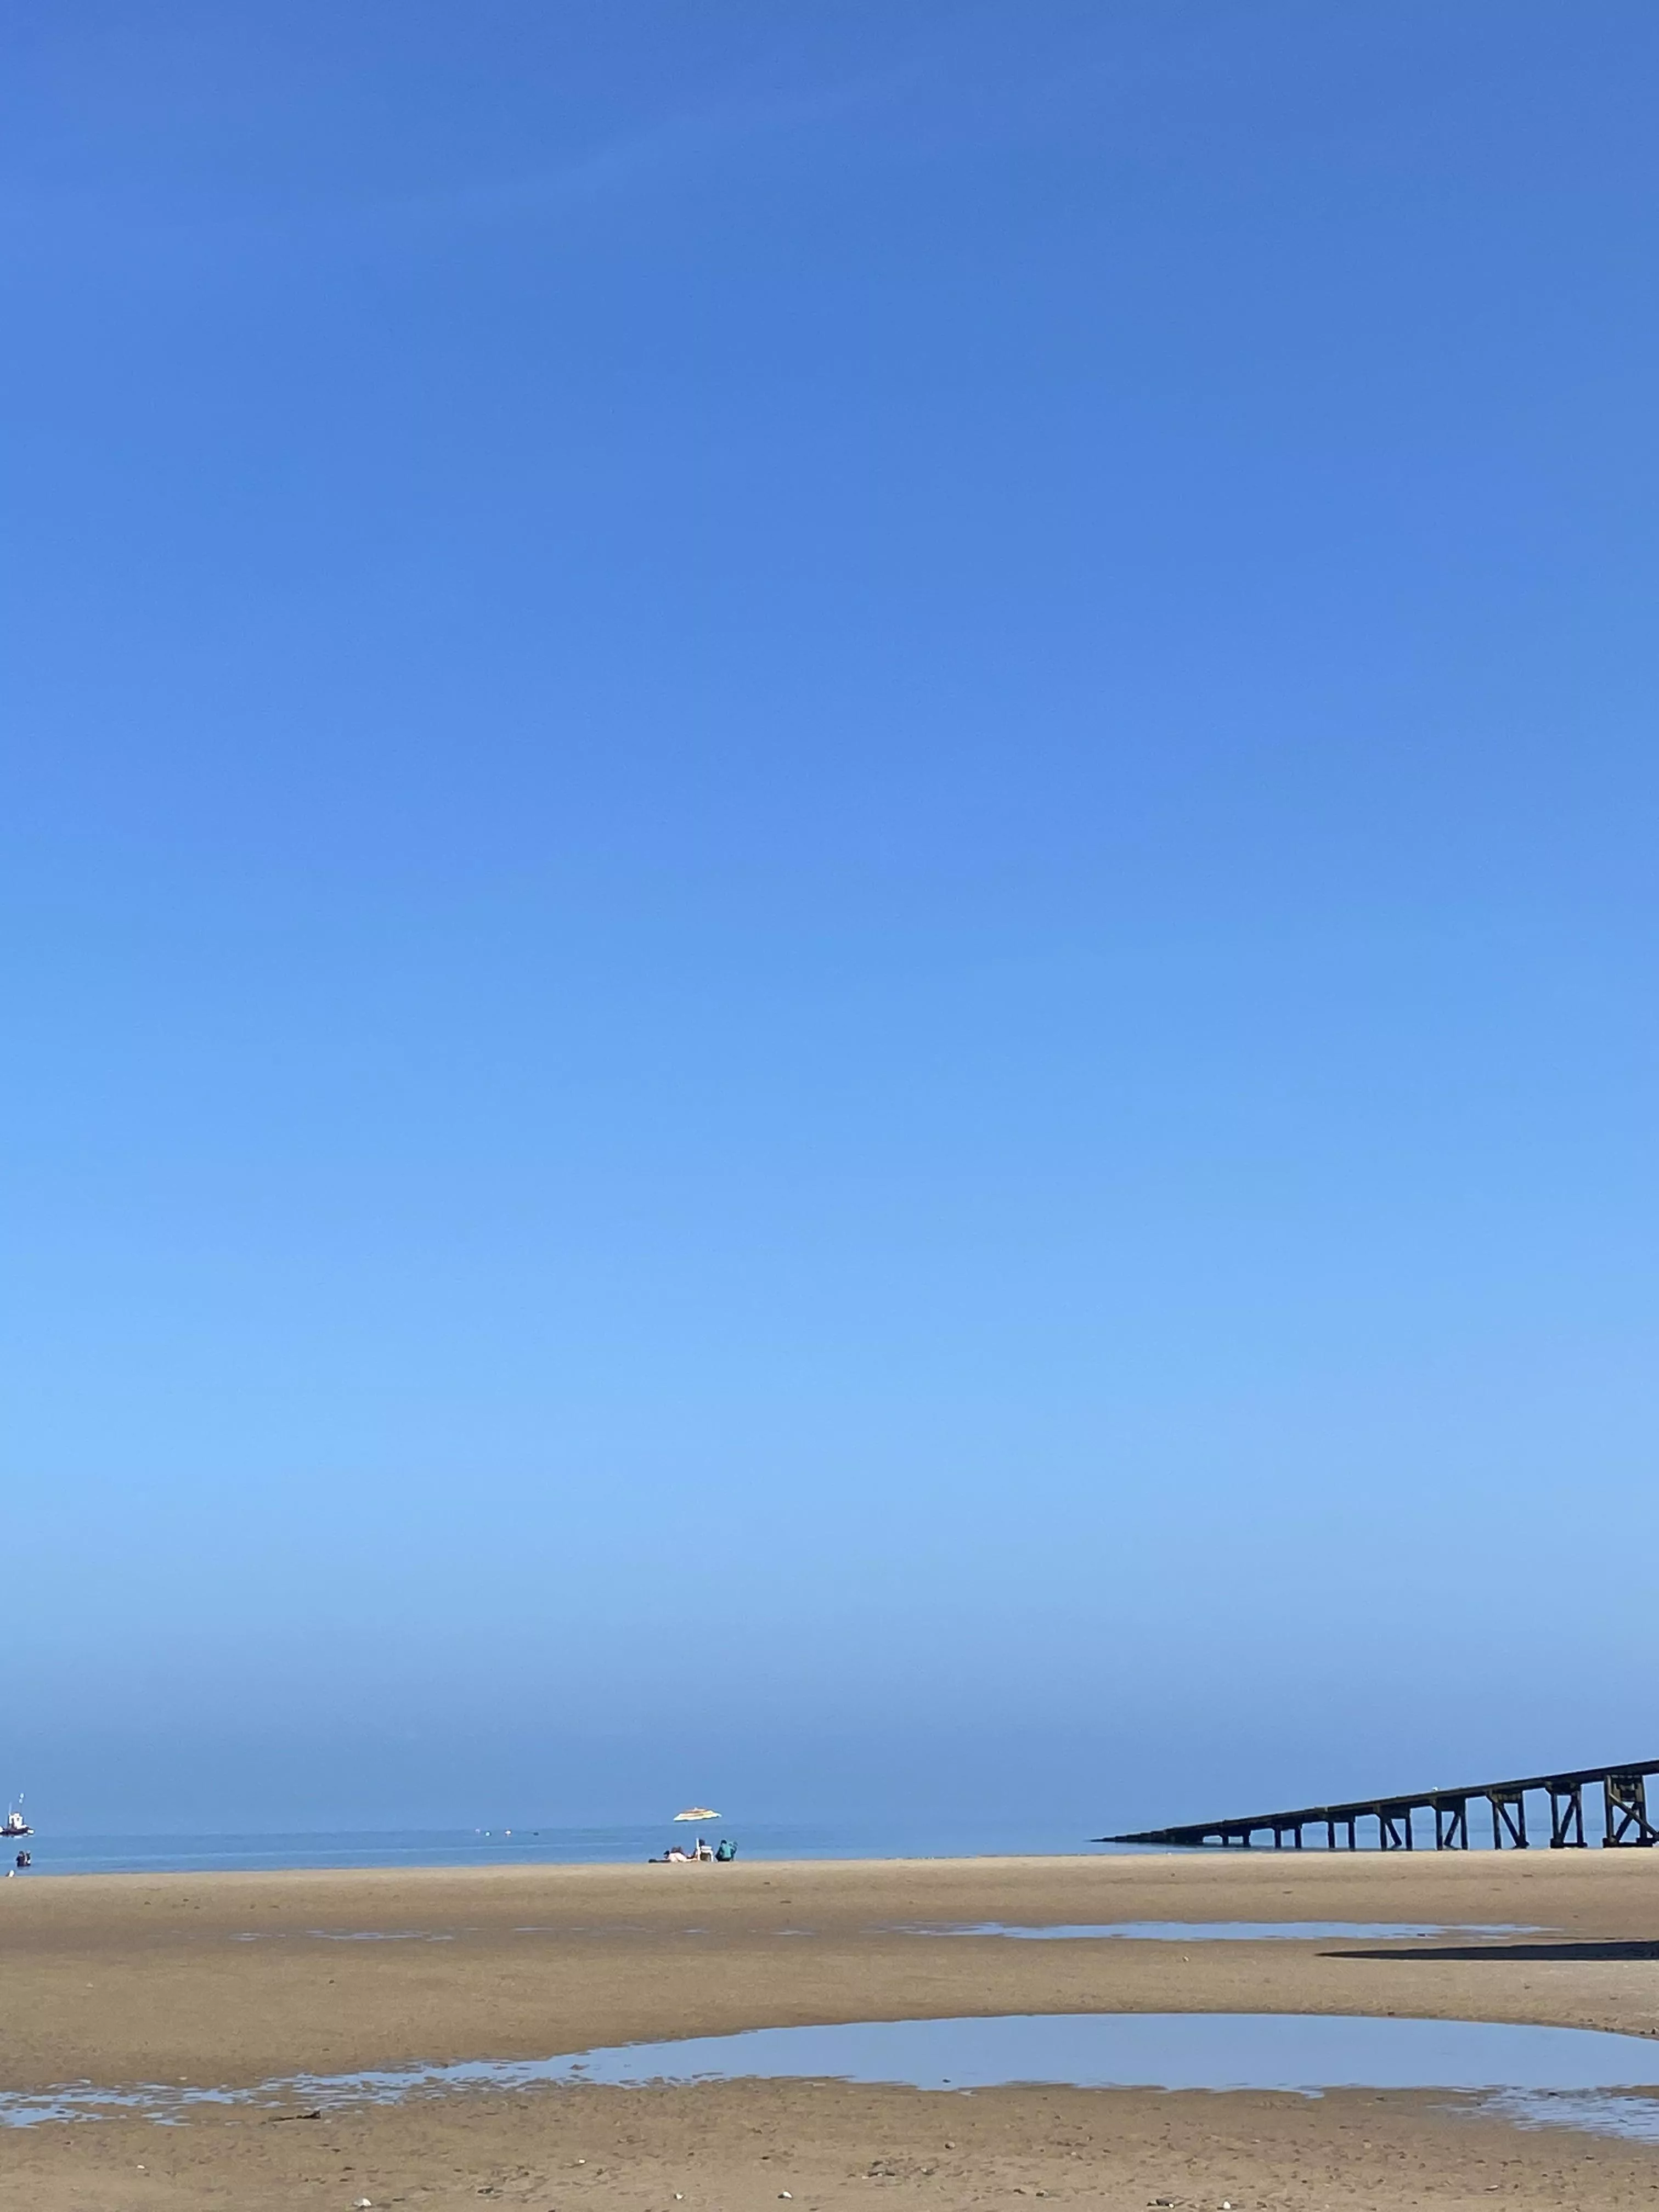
(325, 1851)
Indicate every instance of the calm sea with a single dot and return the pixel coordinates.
(526, 1846)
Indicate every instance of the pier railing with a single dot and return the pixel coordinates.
(1624, 1815)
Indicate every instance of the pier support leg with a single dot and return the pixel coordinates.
(1508, 1820)
(1625, 1798)
(1566, 1817)
(1451, 1824)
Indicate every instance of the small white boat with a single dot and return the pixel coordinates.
(14, 1824)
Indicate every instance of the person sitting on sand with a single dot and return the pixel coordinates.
(727, 1852)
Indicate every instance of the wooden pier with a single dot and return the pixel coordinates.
(1626, 1825)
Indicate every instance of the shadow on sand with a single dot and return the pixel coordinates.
(1489, 1954)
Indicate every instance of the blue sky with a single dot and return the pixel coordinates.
(827, 855)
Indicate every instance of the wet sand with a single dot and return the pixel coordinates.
(235, 1978)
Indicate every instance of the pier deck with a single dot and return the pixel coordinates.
(1624, 1813)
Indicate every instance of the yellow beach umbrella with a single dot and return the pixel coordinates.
(697, 1812)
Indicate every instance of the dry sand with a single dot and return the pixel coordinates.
(235, 1978)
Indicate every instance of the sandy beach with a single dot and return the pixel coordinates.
(238, 1979)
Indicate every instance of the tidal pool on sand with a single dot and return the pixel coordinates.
(1533, 2076)
(1237, 1931)
(1304, 2052)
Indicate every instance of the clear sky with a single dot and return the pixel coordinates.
(828, 856)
